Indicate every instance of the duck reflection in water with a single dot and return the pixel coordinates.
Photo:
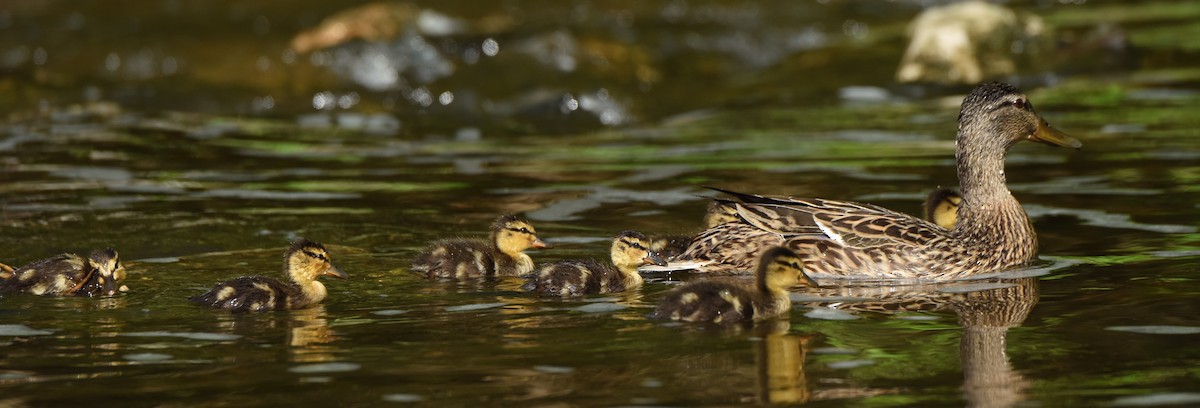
(306, 332)
(779, 357)
(310, 336)
(989, 379)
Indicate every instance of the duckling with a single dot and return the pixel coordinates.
(578, 277)
(461, 258)
(68, 274)
(941, 207)
(727, 302)
(304, 262)
(719, 212)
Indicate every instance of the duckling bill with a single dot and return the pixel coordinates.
(728, 301)
(502, 255)
(100, 274)
(304, 262)
(586, 276)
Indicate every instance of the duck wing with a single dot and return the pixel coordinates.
(849, 224)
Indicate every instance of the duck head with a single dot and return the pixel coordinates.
(106, 276)
(779, 268)
(631, 249)
(996, 115)
(306, 261)
(941, 207)
(512, 235)
(720, 212)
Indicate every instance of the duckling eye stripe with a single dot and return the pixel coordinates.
(315, 255)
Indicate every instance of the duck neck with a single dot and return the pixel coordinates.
(630, 274)
(521, 260)
(314, 292)
(989, 213)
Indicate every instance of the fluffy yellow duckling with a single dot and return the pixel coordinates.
(304, 262)
(503, 255)
(727, 302)
(100, 274)
(941, 207)
(579, 277)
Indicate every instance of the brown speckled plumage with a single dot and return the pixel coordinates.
(578, 277)
(100, 274)
(303, 263)
(669, 246)
(845, 240)
(731, 301)
(502, 255)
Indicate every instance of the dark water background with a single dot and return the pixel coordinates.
(188, 137)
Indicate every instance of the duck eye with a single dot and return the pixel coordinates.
(1020, 103)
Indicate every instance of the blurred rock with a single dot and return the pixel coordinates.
(386, 21)
(972, 41)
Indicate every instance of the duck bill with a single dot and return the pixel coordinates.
(336, 272)
(654, 259)
(806, 280)
(1049, 135)
(539, 244)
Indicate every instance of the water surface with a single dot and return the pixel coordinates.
(1106, 317)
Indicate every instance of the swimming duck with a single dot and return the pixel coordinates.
(941, 207)
(503, 255)
(304, 262)
(846, 240)
(668, 246)
(578, 277)
(728, 301)
(100, 274)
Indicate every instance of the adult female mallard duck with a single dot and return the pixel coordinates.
(729, 301)
(502, 255)
(100, 274)
(846, 240)
(304, 262)
(585, 276)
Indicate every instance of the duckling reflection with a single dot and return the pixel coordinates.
(309, 336)
(985, 315)
(780, 361)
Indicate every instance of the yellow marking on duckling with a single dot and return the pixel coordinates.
(226, 293)
(688, 298)
(256, 306)
(27, 275)
(61, 283)
(439, 252)
(38, 289)
(263, 287)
